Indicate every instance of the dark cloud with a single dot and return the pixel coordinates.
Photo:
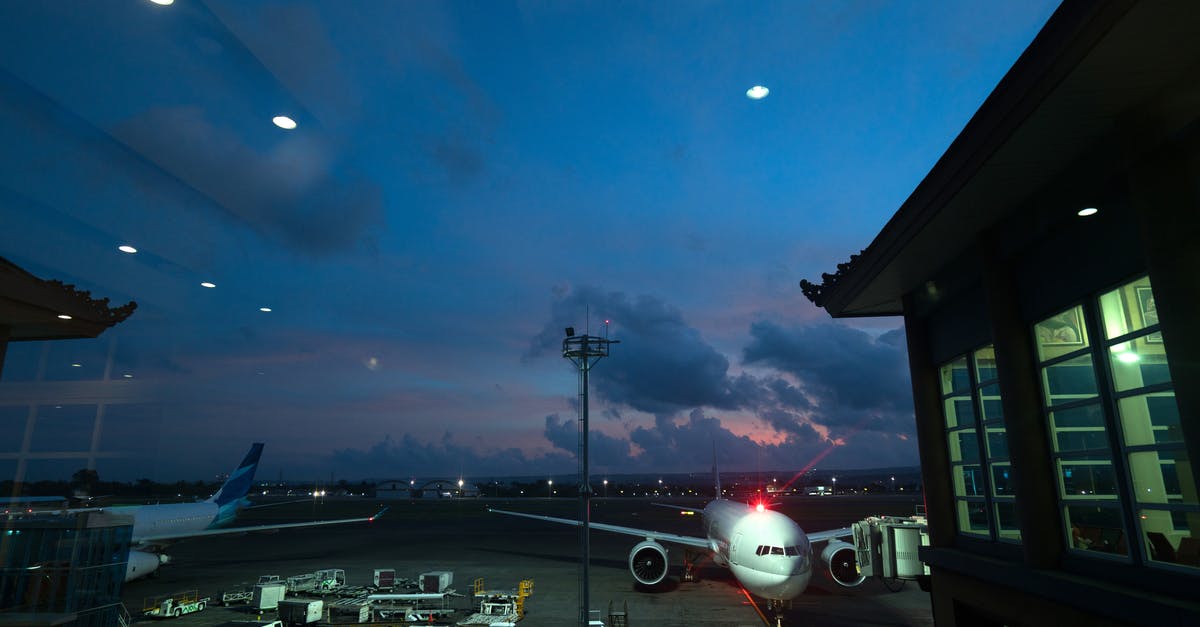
(295, 194)
(409, 457)
(606, 453)
(849, 370)
(662, 365)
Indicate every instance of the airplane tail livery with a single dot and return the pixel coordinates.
(236, 487)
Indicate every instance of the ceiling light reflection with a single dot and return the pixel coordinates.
(265, 309)
(284, 122)
(64, 316)
(758, 92)
(1088, 211)
(126, 248)
(208, 285)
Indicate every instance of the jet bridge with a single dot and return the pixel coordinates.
(886, 547)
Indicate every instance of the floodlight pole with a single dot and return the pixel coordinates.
(584, 351)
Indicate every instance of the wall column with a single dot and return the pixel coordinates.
(931, 433)
(1028, 446)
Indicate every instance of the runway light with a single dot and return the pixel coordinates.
(284, 122)
(758, 92)
(126, 248)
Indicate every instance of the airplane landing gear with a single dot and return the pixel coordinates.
(775, 607)
(690, 559)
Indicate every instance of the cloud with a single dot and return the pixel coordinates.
(662, 364)
(295, 193)
(409, 457)
(855, 378)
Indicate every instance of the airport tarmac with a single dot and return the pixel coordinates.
(462, 537)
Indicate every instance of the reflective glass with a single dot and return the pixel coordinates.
(989, 403)
(1138, 363)
(968, 481)
(1169, 538)
(997, 443)
(1006, 518)
(1091, 476)
(1150, 419)
(1156, 477)
(1095, 528)
(1060, 334)
(985, 364)
(955, 377)
(1129, 308)
(1002, 479)
(959, 411)
(964, 446)
(1079, 428)
(972, 517)
(1069, 380)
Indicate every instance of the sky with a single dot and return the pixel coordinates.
(464, 181)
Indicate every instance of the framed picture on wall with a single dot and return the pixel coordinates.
(1061, 330)
(1149, 311)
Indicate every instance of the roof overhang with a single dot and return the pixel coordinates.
(33, 308)
(1093, 72)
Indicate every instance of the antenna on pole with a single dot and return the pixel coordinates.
(584, 351)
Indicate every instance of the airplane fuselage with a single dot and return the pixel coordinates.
(150, 521)
(766, 551)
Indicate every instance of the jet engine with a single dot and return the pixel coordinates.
(842, 563)
(143, 563)
(648, 562)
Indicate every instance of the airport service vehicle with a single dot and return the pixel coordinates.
(766, 551)
(268, 595)
(499, 607)
(385, 578)
(301, 611)
(245, 594)
(156, 526)
(324, 580)
(172, 605)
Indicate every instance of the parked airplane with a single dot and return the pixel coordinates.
(766, 551)
(155, 526)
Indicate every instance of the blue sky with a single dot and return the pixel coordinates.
(465, 180)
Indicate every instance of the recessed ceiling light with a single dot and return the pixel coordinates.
(758, 92)
(265, 309)
(208, 285)
(1088, 211)
(127, 375)
(64, 316)
(76, 365)
(126, 248)
(164, 3)
(284, 122)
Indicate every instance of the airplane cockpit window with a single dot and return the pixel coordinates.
(776, 550)
(792, 550)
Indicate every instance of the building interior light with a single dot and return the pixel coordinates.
(1128, 357)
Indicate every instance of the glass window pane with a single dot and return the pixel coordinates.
(989, 403)
(1156, 477)
(1169, 537)
(964, 446)
(1150, 419)
(972, 517)
(985, 364)
(997, 443)
(1079, 428)
(955, 377)
(968, 481)
(959, 412)
(1096, 528)
(1001, 480)
(1090, 477)
(1060, 334)
(1138, 363)
(1129, 308)
(1070, 380)
(1006, 519)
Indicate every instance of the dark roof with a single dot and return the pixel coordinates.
(30, 307)
(1094, 65)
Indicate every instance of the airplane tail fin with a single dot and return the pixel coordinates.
(239, 482)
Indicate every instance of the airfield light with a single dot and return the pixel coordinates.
(760, 507)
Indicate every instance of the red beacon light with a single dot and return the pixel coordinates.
(760, 508)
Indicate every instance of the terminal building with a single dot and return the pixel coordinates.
(1048, 273)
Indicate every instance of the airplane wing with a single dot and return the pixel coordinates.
(701, 543)
(679, 508)
(227, 530)
(821, 536)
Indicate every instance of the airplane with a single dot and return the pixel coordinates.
(767, 552)
(155, 526)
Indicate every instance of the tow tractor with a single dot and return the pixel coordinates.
(176, 604)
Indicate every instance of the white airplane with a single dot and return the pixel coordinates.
(155, 526)
(767, 552)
